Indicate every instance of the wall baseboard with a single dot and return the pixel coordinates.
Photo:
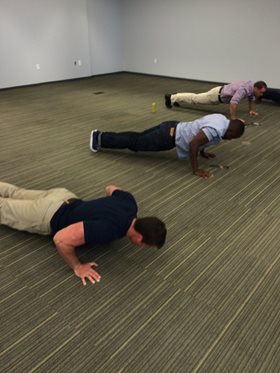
(119, 72)
(59, 81)
(175, 77)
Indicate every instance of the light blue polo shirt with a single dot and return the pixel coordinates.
(214, 126)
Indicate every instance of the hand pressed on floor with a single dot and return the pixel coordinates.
(84, 271)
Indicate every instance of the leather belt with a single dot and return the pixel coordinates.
(69, 201)
(219, 95)
(172, 130)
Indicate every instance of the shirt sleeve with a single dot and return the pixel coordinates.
(125, 196)
(210, 133)
(99, 232)
(121, 194)
(238, 96)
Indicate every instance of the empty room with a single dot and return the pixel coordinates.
(134, 236)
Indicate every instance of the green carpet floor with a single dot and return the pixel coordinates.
(208, 301)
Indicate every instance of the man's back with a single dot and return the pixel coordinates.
(214, 126)
(237, 91)
(105, 219)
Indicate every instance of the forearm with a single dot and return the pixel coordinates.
(233, 110)
(68, 254)
(198, 141)
(66, 240)
(193, 157)
(203, 153)
(250, 106)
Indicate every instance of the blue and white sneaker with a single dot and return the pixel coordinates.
(94, 142)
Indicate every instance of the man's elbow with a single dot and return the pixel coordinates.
(58, 243)
(194, 146)
(109, 190)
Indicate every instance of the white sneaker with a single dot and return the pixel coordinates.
(93, 141)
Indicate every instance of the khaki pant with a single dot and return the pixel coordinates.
(30, 210)
(210, 97)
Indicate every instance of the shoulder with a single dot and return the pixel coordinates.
(214, 119)
(123, 195)
(241, 84)
(215, 126)
(120, 193)
(247, 84)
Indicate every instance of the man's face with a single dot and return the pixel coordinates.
(136, 241)
(230, 134)
(227, 135)
(258, 92)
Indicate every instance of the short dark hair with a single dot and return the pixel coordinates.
(238, 126)
(152, 229)
(260, 84)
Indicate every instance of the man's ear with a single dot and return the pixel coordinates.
(139, 238)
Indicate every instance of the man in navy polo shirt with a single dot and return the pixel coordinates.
(73, 222)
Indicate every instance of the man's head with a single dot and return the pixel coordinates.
(149, 231)
(259, 88)
(235, 129)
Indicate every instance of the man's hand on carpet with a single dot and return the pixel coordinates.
(84, 271)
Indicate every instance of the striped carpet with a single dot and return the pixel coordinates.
(208, 301)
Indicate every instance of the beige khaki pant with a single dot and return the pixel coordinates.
(30, 210)
(210, 97)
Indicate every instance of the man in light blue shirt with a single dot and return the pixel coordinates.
(189, 138)
(232, 94)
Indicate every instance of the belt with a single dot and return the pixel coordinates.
(55, 219)
(172, 130)
(69, 201)
(219, 95)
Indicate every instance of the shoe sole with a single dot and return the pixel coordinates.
(91, 142)
(168, 104)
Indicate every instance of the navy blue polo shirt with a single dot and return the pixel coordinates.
(105, 219)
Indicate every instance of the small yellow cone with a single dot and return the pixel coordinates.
(154, 107)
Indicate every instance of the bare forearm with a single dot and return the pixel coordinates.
(193, 157)
(251, 109)
(233, 110)
(66, 240)
(250, 106)
(68, 254)
(199, 140)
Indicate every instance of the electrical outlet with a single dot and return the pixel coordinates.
(155, 60)
(38, 66)
(79, 62)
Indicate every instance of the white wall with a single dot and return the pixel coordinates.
(52, 33)
(217, 40)
(105, 36)
(55, 34)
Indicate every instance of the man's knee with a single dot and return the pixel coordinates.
(59, 190)
(134, 142)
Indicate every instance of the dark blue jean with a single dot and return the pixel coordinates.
(158, 138)
(272, 94)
